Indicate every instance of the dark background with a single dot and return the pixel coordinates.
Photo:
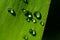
(52, 31)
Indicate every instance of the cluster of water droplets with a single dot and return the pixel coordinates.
(29, 18)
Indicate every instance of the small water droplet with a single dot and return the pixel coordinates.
(37, 15)
(42, 23)
(33, 20)
(24, 10)
(25, 37)
(28, 14)
(28, 20)
(10, 10)
(25, 1)
(32, 32)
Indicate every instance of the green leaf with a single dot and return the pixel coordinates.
(15, 27)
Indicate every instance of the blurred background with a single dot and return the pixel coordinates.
(52, 29)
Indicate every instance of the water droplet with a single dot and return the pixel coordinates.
(10, 10)
(37, 15)
(24, 10)
(32, 32)
(25, 1)
(42, 23)
(33, 20)
(28, 20)
(28, 14)
(25, 37)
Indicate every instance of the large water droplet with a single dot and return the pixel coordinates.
(10, 10)
(32, 32)
(25, 37)
(25, 1)
(37, 15)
